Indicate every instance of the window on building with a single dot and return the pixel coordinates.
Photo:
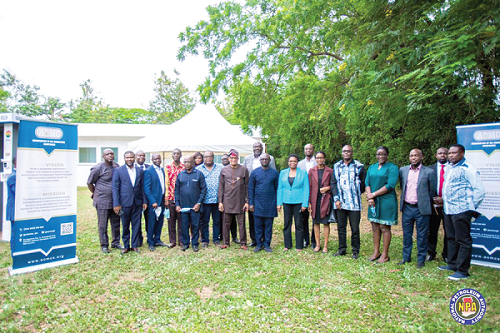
(87, 155)
(115, 150)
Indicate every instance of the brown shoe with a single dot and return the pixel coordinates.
(171, 245)
(244, 247)
(136, 250)
(126, 250)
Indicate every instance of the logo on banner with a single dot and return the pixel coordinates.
(467, 306)
(43, 132)
(8, 134)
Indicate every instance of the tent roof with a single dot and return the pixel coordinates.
(202, 129)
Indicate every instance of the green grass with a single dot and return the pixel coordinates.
(234, 290)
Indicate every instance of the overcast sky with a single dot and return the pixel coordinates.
(119, 45)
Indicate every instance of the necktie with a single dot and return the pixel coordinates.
(441, 181)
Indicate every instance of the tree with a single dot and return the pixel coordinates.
(53, 109)
(396, 73)
(19, 97)
(172, 100)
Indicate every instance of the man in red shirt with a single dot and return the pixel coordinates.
(171, 172)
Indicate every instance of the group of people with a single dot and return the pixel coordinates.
(193, 192)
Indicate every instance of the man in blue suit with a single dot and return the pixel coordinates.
(418, 187)
(154, 189)
(129, 200)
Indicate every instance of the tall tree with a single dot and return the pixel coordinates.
(19, 97)
(367, 72)
(172, 100)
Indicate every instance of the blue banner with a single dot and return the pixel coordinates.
(482, 149)
(44, 231)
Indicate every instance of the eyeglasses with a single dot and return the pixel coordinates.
(265, 159)
(347, 151)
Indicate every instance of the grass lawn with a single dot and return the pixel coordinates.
(234, 290)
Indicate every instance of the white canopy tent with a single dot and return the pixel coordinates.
(203, 129)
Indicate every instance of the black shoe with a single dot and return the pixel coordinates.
(402, 262)
(268, 249)
(236, 241)
(445, 259)
(117, 247)
(151, 248)
(355, 256)
(161, 244)
(420, 264)
(430, 257)
(338, 254)
(258, 248)
(253, 244)
(204, 245)
(196, 248)
(184, 248)
(104, 249)
(216, 242)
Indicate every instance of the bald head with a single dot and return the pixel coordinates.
(309, 150)
(416, 157)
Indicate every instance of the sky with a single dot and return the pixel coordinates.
(118, 45)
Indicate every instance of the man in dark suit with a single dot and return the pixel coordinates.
(418, 187)
(154, 189)
(140, 159)
(129, 200)
(437, 214)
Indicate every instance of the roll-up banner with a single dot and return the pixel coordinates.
(482, 150)
(44, 231)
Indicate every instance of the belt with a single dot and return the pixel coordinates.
(412, 205)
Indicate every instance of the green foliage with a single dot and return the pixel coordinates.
(92, 109)
(397, 73)
(172, 100)
(18, 97)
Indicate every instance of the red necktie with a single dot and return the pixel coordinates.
(441, 181)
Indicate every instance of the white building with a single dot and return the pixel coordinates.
(202, 129)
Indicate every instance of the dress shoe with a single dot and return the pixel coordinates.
(135, 249)
(338, 254)
(258, 248)
(117, 247)
(402, 262)
(253, 244)
(216, 242)
(236, 241)
(430, 257)
(204, 245)
(184, 248)
(196, 248)
(244, 247)
(104, 249)
(420, 264)
(171, 245)
(268, 249)
(126, 250)
(445, 268)
(355, 256)
(161, 244)
(151, 248)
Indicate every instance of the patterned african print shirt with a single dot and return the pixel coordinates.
(212, 180)
(171, 173)
(348, 184)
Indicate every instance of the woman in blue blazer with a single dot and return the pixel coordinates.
(293, 195)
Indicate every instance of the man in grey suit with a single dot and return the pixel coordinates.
(418, 187)
(253, 162)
